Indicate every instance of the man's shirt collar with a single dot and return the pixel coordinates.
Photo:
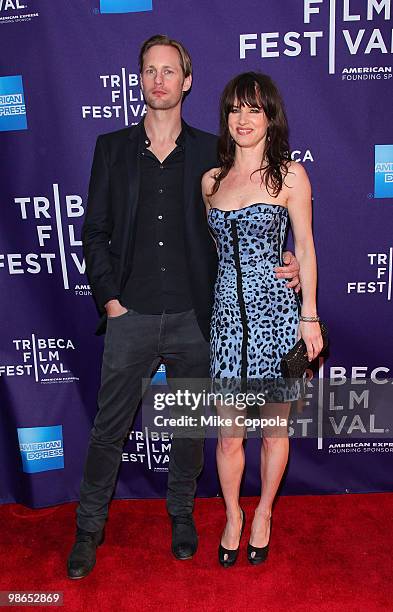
(145, 141)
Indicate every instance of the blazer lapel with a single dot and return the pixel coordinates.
(190, 166)
(133, 184)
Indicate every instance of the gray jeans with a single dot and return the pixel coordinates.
(135, 344)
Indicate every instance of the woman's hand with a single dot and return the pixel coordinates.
(310, 332)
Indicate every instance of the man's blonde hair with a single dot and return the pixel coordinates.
(162, 39)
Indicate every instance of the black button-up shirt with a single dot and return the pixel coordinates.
(158, 281)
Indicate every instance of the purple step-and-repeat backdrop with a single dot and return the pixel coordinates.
(68, 72)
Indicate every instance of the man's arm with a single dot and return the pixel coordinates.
(97, 231)
(290, 269)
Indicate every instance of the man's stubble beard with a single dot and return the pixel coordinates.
(155, 104)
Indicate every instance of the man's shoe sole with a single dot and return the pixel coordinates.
(182, 558)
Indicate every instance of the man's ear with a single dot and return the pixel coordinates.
(187, 83)
(140, 82)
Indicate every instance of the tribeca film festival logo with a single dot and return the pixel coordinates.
(381, 266)
(12, 104)
(383, 171)
(56, 239)
(124, 99)
(150, 448)
(360, 37)
(41, 359)
(41, 448)
(125, 6)
(16, 11)
(359, 412)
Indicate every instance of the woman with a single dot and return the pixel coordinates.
(249, 199)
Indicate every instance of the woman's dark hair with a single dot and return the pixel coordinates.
(255, 89)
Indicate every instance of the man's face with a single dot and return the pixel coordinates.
(162, 78)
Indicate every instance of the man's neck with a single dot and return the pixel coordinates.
(163, 126)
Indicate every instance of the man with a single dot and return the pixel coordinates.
(152, 265)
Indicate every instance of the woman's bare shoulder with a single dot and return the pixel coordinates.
(296, 175)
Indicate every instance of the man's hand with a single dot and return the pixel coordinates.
(289, 270)
(114, 308)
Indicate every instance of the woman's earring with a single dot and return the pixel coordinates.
(267, 135)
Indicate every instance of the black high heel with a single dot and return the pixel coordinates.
(226, 556)
(259, 555)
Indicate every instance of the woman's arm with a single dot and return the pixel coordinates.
(300, 213)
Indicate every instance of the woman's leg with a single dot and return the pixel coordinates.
(230, 465)
(274, 458)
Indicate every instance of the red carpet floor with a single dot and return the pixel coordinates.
(328, 553)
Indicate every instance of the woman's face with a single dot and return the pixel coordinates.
(247, 125)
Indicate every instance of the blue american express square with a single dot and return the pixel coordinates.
(125, 6)
(41, 448)
(12, 104)
(383, 187)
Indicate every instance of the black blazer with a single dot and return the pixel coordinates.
(108, 230)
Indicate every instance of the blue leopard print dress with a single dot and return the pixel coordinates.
(255, 316)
